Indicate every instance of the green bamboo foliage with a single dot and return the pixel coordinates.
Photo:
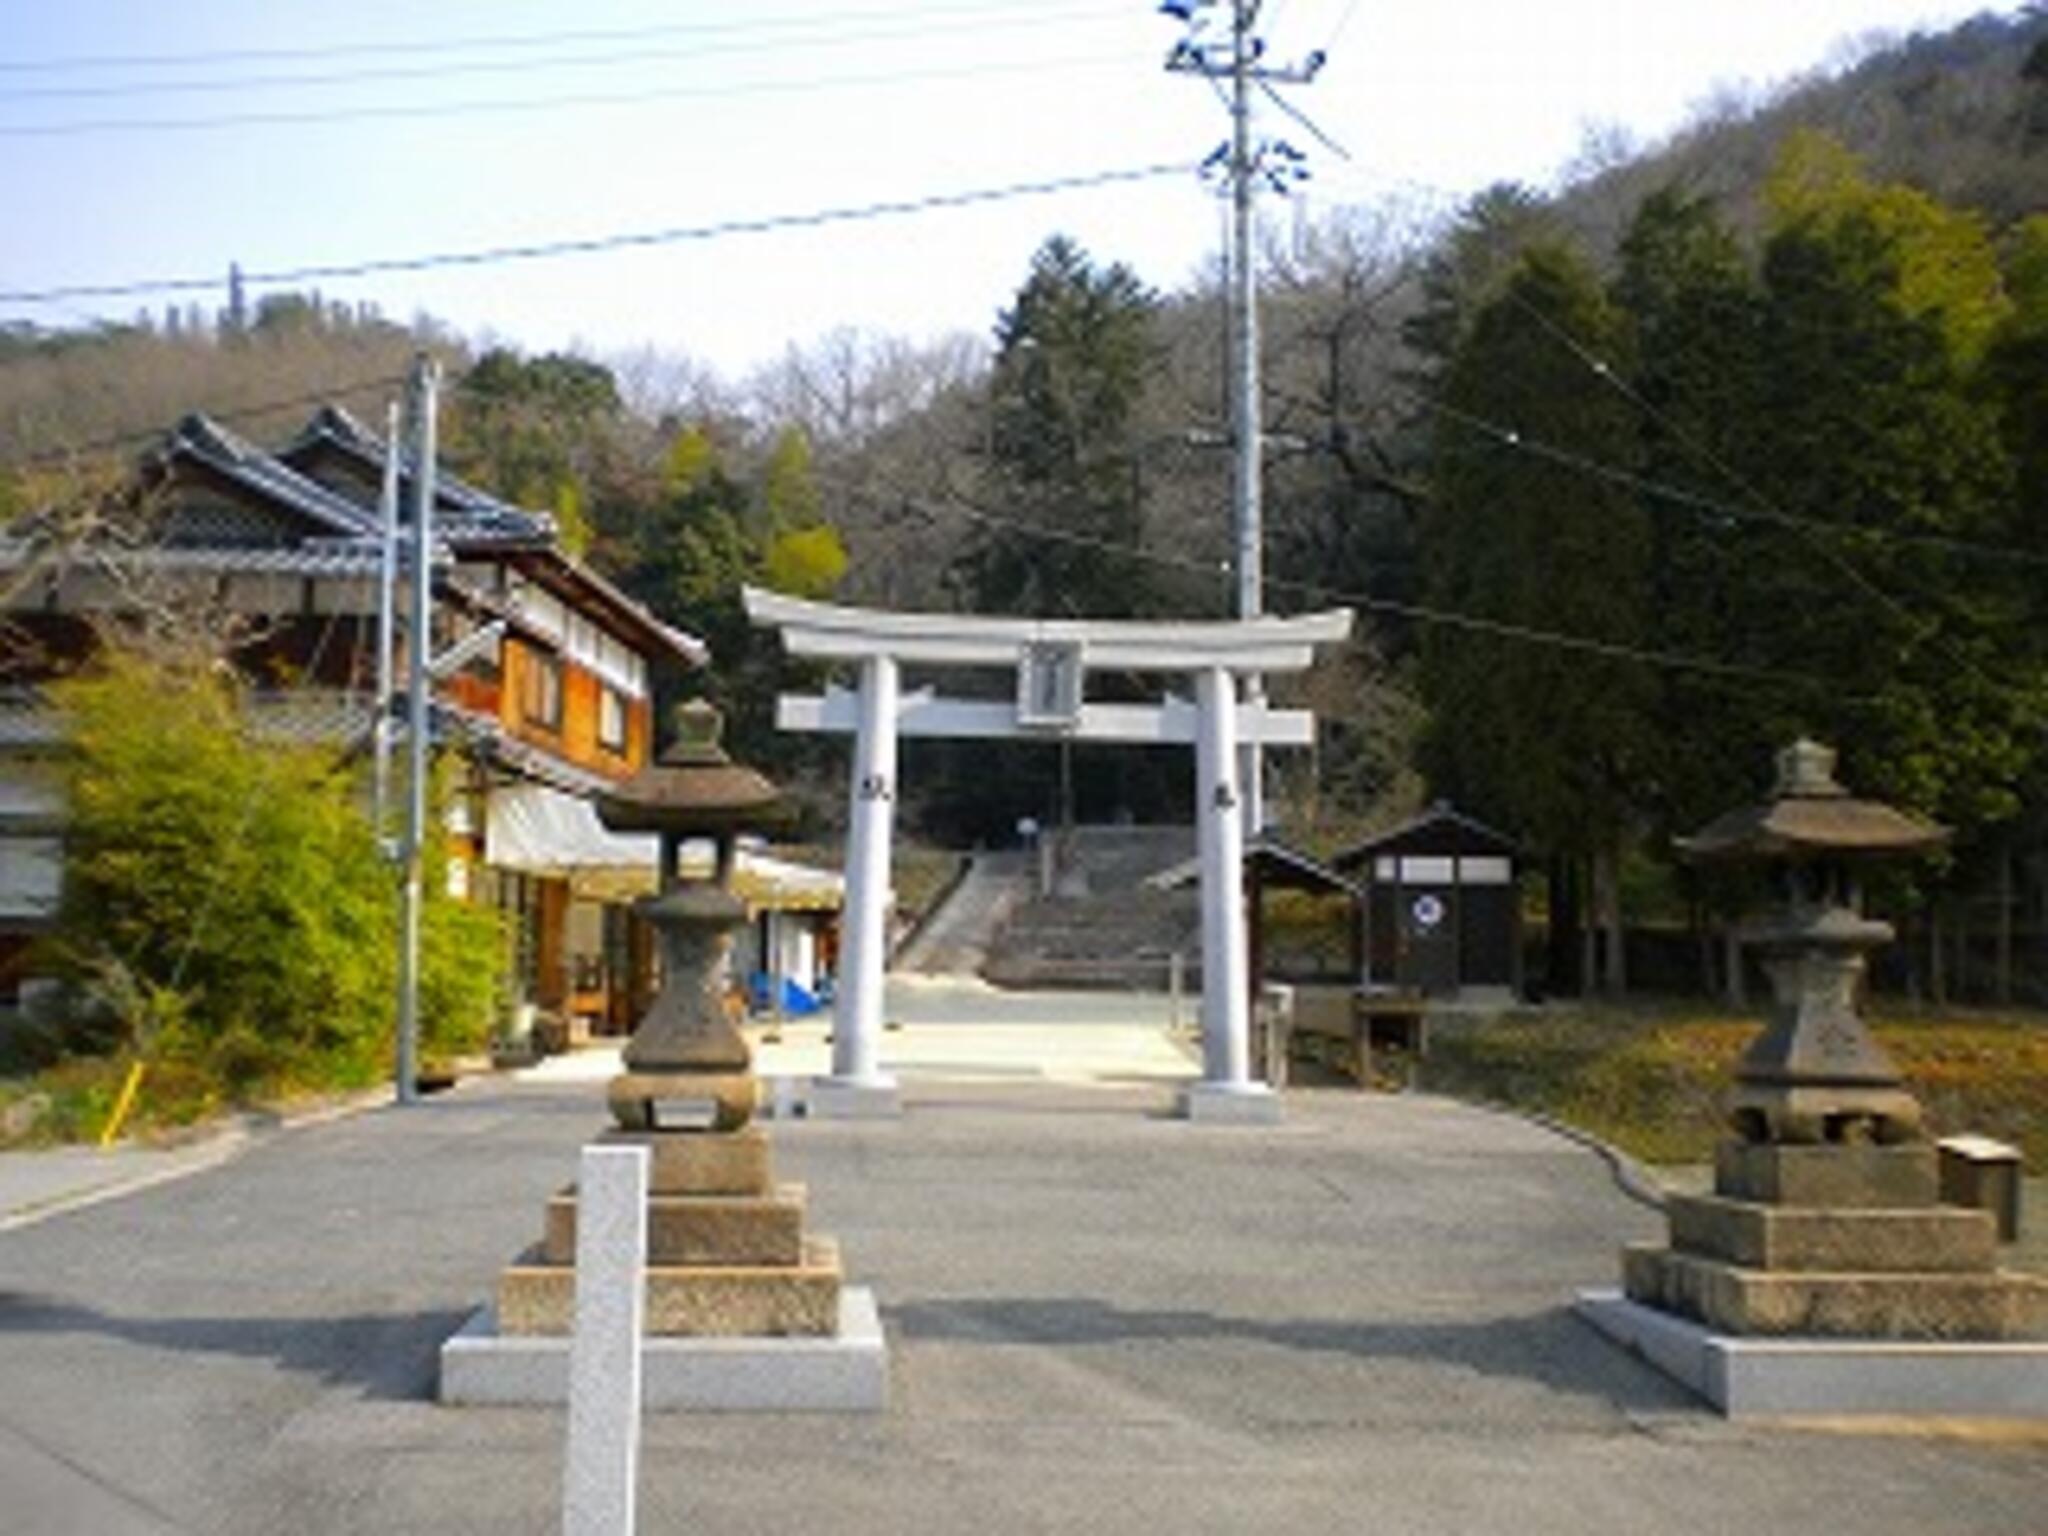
(225, 908)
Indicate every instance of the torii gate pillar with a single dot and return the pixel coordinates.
(1227, 1089)
(858, 1086)
(1051, 658)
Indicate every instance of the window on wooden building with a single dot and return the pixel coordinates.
(611, 718)
(540, 691)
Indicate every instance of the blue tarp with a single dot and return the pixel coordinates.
(797, 1001)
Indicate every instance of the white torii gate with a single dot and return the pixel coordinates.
(1051, 658)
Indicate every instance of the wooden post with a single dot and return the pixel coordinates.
(1937, 968)
(1361, 972)
(2001, 988)
(1255, 933)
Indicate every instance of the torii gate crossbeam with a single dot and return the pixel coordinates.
(1051, 658)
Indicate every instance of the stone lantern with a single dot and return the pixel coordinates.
(1816, 1076)
(728, 1254)
(1825, 1220)
(688, 1047)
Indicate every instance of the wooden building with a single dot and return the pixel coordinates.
(1443, 905)
(558, 706)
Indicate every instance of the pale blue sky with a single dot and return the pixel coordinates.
(772, 107)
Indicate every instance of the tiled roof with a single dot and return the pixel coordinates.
(317, 558)
(472, 521)
(200, 438)
(465, 515)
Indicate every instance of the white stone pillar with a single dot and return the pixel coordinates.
(1251, 765)
(1227, 1090)
(601, 1474)
(857, 1084)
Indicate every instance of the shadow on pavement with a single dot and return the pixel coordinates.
(392, 1357)
(1552, 1349)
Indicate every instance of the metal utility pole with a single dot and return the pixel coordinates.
(423, 390)
(387, 603)
(1245, 160)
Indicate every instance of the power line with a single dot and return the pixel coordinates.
(1417, 612)
(793, 21)
(1320, 591)
(287, 119)
(539, 250)
(1919, 628)
(553, 62)
(1712, 507)
(1343, 21)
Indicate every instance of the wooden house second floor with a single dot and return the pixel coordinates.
(278, 561)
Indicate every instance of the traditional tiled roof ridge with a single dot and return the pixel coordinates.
(482, 517)
(485, 519)
(199, 437)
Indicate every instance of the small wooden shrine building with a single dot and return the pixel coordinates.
(1443, 905)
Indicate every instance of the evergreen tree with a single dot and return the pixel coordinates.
(1549, 742)
(540, 432)
(1696, 318)
(1871, 422)
(1467, 266)
(2016, 375)
(1073, 355)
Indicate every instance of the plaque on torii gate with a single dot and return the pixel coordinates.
(1051, 659)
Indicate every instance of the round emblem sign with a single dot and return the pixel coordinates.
(1428, 911)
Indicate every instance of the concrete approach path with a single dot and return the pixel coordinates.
(1103, 1320)
(962, 1030)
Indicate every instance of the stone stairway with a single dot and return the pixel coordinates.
(1103, 926)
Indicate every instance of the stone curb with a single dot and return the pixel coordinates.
(1630, 1176)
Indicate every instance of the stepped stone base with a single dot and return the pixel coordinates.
(1859, 1177)
(844, 1371)
(692, 1300)
(1936, 1238)
(1990, 1305)
(1828, 1378)
(734, 1163)
(686, 1229)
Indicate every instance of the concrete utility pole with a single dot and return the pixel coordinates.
(1246, 160)
(424, 391)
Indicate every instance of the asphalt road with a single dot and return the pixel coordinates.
(1103, 1321)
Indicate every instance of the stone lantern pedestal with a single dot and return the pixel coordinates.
(1823, 1275)
(743, 1308)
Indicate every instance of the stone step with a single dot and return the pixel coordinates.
(1866, 1177)
(702, 1162)
(2000, 1305)
(699, 1229)
(1940, 1239)
(690, 1300)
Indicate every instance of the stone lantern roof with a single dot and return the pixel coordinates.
(694, 789)
(1810, 815)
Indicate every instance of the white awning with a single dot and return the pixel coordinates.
(542, 831)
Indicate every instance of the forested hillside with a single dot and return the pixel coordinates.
(1735, 437)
